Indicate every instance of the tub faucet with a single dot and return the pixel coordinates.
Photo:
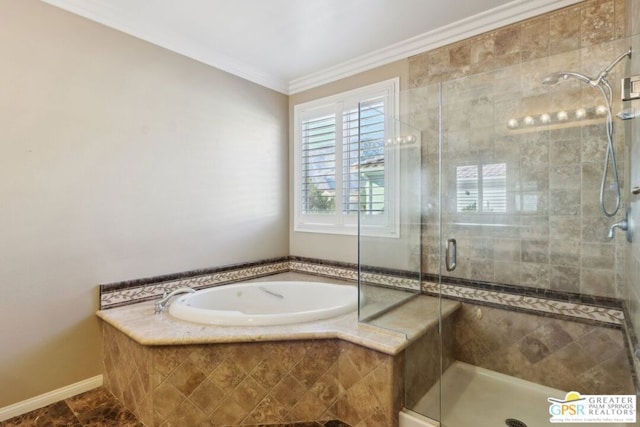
(622, 225)
(625, 224)
(162, 304)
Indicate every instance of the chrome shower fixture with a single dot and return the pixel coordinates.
(605, 88)
(554, 78)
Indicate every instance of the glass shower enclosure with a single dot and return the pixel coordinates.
(494, 181)
(388, 177)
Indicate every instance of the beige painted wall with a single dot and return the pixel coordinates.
(332, 246)
(119, 160)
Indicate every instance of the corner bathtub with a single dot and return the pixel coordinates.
(265, 303)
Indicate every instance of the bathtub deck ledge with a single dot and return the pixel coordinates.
(140, 323)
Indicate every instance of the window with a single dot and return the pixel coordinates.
(343, 165)
(481, 188)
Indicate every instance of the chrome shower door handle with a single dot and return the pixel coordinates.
(451, 255)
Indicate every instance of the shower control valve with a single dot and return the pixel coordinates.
(631, 88)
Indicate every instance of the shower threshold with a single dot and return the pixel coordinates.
(478, 397)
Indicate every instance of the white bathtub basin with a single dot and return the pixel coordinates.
(265, 303)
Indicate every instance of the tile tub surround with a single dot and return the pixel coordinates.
(132, 291)
(389, 333)
(560, 304)
(571, 305)
(337, 368)
(253, 383)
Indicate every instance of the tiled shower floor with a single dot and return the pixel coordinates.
(98, 408)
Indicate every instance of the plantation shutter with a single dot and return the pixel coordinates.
(319, 164)
(364, 158)
(343, 165)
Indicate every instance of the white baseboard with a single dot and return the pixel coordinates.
(50, 397)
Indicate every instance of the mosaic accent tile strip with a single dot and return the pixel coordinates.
(529, 291)
(338, 272)
(117, 297)
(346, 273)
(391, 281)
(119, 294)
(572, 310)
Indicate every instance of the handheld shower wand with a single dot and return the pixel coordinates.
(554, 78)
(606, 90)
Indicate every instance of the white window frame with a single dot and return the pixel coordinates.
(385, 225)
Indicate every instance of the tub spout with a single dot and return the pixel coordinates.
(162, 304)
(626, 224)
(622, 225)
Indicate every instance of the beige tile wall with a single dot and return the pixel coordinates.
(253, 383)
(557, 353)
(585, 24)
(552, 235)
(632, 296)
(422, 362)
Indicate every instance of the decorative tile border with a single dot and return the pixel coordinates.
(597, 314)
(542, 293)
(346, 272)
(117, 294)
(391, 281)
(333, 271)
(607, 312)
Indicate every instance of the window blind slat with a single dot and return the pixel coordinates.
(364, 156)
(362, 176)
(318, 164)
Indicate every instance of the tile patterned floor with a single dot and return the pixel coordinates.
(98, 408)
(94, 408)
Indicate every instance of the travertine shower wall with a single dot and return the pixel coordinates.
(632, 297)
(551, 233)
(558, 353)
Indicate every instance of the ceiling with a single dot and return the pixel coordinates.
(293, 45)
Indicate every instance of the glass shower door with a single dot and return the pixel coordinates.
(520, 172)
(386, 170)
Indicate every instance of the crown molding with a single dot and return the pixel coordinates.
(492, 19)
(509, 13)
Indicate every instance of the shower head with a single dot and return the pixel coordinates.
(605, 88)
(554, 78)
